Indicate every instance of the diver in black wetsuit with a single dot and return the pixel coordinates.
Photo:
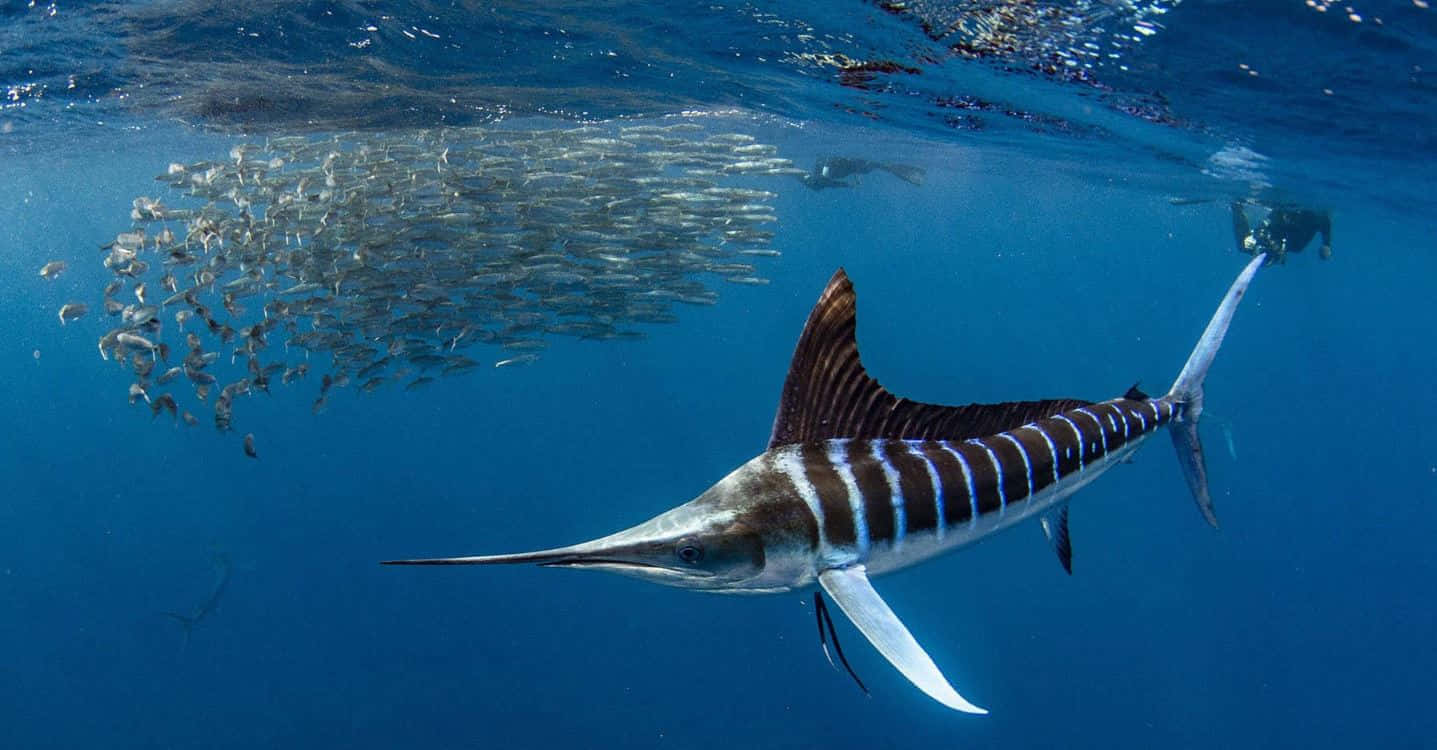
(832, 171)
(1285, 229)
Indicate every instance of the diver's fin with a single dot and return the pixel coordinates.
(906, 172)
(187, 626)
(828, 393)
(850, 588)
(1187, 390)
(185, 621)
(1055, 527)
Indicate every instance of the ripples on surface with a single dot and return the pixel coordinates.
(1312, 86)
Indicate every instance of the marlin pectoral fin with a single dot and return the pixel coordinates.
(850, 588)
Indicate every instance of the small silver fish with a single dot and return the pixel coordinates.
(53, 269)
(139, 315)
(72, 311)
(522, 359)
(131, 240)
(418, 383)
(137, 341)
(164, 402)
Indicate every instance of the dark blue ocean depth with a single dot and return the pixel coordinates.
(1304, 621)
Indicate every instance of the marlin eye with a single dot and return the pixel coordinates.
(689, 551)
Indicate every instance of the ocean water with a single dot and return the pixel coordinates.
(1071, 236)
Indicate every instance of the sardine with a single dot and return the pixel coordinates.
(137, 341)
(72, 311)
(199, 377)
(522, 359)
(162, 402)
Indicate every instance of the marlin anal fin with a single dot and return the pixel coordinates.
(1187, 390)
(1055, 527)
(851, 590)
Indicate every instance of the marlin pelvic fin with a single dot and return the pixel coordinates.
(825, 622)
(1055, 527)
(851, 590)
(1187, 390)
(828, 393)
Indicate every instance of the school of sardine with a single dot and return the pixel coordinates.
(371, 259)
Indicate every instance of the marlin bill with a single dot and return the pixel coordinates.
(857, 482)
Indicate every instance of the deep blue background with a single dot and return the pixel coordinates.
(1026, 267)
(1305, 621)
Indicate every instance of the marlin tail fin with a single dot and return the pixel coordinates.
(1187, 391)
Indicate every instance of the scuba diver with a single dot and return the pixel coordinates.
(832, 171)
(1285, 229)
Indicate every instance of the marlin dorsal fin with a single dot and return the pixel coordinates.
(850, 588)
(828, 393)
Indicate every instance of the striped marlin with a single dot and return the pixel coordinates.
(857, 482)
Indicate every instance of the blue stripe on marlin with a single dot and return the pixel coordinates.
(851, 469)
(898, 491)
(927, 508)
(1053, 463)
(967, 511)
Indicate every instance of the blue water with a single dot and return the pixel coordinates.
(1042, 257)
